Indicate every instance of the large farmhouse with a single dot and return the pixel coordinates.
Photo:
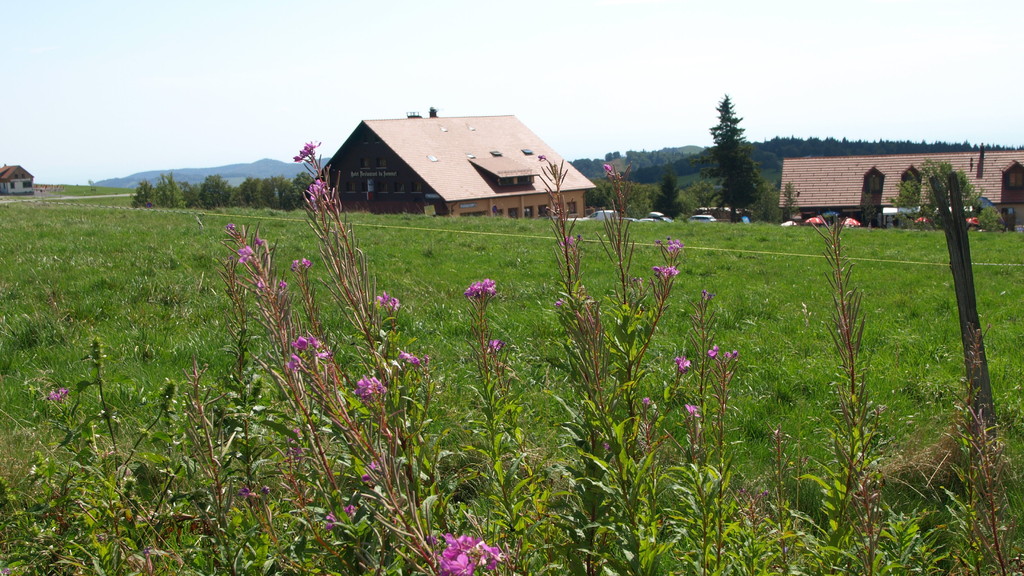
(845, 184)
(481, 165)
(15, 180)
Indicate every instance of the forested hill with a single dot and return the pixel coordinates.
(649, 167)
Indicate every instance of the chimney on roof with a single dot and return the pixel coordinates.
(413, 115)
(433, 112)
(981, 162)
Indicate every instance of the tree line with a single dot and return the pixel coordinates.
(215, 191)
(649, 167)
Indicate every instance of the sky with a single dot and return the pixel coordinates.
(107, 88)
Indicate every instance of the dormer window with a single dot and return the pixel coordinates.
(911, 174)
(1013, 177)
(496, 153)
(873, 182)
(515, 180)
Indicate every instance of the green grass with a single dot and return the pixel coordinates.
(86, 190)
(146, 283)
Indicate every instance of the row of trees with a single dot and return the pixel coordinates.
(276, 192)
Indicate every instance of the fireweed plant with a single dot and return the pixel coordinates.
(321, 450)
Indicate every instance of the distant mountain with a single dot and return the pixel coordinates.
(233, 173)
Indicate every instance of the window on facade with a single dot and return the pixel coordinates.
(382, 162)
(364, 163)
(528, 212)
(542, 210)
(399, 186)
(382, 187)
(417, 187)
(571, 207)
(513, 212)
(365, 187)
(350, 186)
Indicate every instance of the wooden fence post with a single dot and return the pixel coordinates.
(950, 202)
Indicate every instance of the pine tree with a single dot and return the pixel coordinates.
(667, 201)
(730, 161)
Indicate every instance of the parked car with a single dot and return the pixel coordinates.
(655, 217)
(601, 215)
(702, 218)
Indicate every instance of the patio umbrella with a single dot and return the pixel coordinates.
(851, 222)
(815, 221)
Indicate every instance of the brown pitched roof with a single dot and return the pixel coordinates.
(463, 150)
(8, 173)
(838, 181)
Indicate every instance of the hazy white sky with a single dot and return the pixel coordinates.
(107, 88)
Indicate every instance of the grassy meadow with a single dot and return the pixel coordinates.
(147, 284)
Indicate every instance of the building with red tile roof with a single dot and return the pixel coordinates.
(841, 184)
(15, 180)
(480, 165)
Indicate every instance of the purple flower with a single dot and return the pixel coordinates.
(406, 357)
(350, 510)
(230, 228)
(559, 303)
(465, 554)
(316, 192)
(481, 290)
(608, 169)
(682, 364)
(368, 388)
(542, 158)
(282, 285)
(389, 303)
(57, 395)
(245, 492)
(705, 295)
(732, 355)
(258, 241)
(265, 490)
(665, 272)
(713, 352)
(330, 521)
(692, 410)
(495, 346)
(366, 476)
(671, 246)
(305, 343)
(301, 264)
(646, 401)
(244, 254)
(294, 363)
(307, 153)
